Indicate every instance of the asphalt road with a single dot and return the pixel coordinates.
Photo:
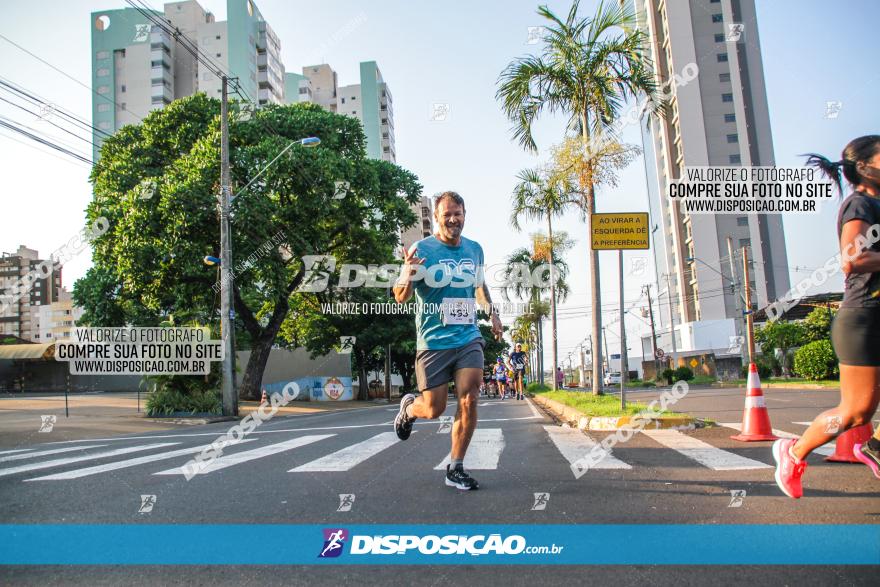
(292, 470)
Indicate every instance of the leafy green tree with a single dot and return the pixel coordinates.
(817, 324)
(781, 335)
(148, 265)
(587, 71)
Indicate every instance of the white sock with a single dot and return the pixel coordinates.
(408, 411)
(791, 454)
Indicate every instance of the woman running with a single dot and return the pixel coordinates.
(501, 377)
(855, 332)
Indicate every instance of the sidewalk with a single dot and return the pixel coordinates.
(99, 415)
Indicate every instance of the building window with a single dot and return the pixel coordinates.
(722, 57)
(745, 242)
(218, 55)
(353, 98)
(103, 90)
(103, 107)
(730, 118)
(104, 125)
(103, 72)
(735, 159)
(714, 1)
(724, 77)
(354, 112)
(742, 221)
(719, 37)
(103, 55)
(217, 37)
(716, 18)
(343, 100)
(727, 97)
(733, 138)
(122, 88)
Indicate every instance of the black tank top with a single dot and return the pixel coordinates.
(861, 290)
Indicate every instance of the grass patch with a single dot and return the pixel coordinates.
(793, 382)
(640, 383)
(598, 405)
(702, 380)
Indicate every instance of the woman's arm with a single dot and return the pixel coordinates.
(851, 259)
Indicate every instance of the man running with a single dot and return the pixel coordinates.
(518, 362)
(449, 344)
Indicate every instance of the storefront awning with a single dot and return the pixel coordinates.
(33, 352)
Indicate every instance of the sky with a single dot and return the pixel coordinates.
(814, 52)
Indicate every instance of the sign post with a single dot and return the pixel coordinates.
(619, 232)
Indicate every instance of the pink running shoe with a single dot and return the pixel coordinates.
(870, 457)
(788, 471)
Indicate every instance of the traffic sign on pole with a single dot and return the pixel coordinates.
(619, 230)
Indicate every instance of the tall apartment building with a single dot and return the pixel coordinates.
(58, 318)
(369, 101)
(21, 317)
(720, 119)
(137, 66)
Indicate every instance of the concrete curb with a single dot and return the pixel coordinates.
(578, 419)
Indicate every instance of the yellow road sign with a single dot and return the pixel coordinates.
(694, 363)
(624, 230)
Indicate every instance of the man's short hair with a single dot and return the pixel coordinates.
(448, 195)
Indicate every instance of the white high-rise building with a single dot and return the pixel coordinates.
(718, 119)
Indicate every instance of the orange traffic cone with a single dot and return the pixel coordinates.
(843, 449)
(756, 420)
(264, 399)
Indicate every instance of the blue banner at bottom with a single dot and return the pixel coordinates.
(243, 544)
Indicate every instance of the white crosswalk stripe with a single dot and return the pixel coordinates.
(484, 450)
(825, 449)
(94, 456)
(52, 451)
(77, 473)
(702, 452)
(249, 455)
(574, 445)
(350, 456)
(9, 452)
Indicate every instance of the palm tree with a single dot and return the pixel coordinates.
(586, 73)
(539, 309)
(536, 197)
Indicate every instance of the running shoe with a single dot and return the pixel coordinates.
(870, 457)
(460, 480)
(402, 423)
(788, 471)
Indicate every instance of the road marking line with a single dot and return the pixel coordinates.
(48, 452)
(77, 473)
(574, 445)
(250, 455)
(67, 461)
(534, 410)
(483, 452)
(9, 452)
(350, 456)
(826, 449)
(702, 452)
(802, 423)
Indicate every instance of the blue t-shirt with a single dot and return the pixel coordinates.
(518, 360)
(452, 273)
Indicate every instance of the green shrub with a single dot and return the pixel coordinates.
(683, 374)
(537, 387)
(667, 374)
(164, 401)
(816, 361)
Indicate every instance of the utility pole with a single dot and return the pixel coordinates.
(653, 330)
(749, 323)
(605, 344)
(582, 375)
(740, 318)
(592, 361)
(672, 323)
(227, 312)
(624, 365)
(388, 365)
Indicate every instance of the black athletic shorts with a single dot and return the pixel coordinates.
(855, 334)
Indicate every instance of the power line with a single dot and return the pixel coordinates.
(73, 134)
(43, 141)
